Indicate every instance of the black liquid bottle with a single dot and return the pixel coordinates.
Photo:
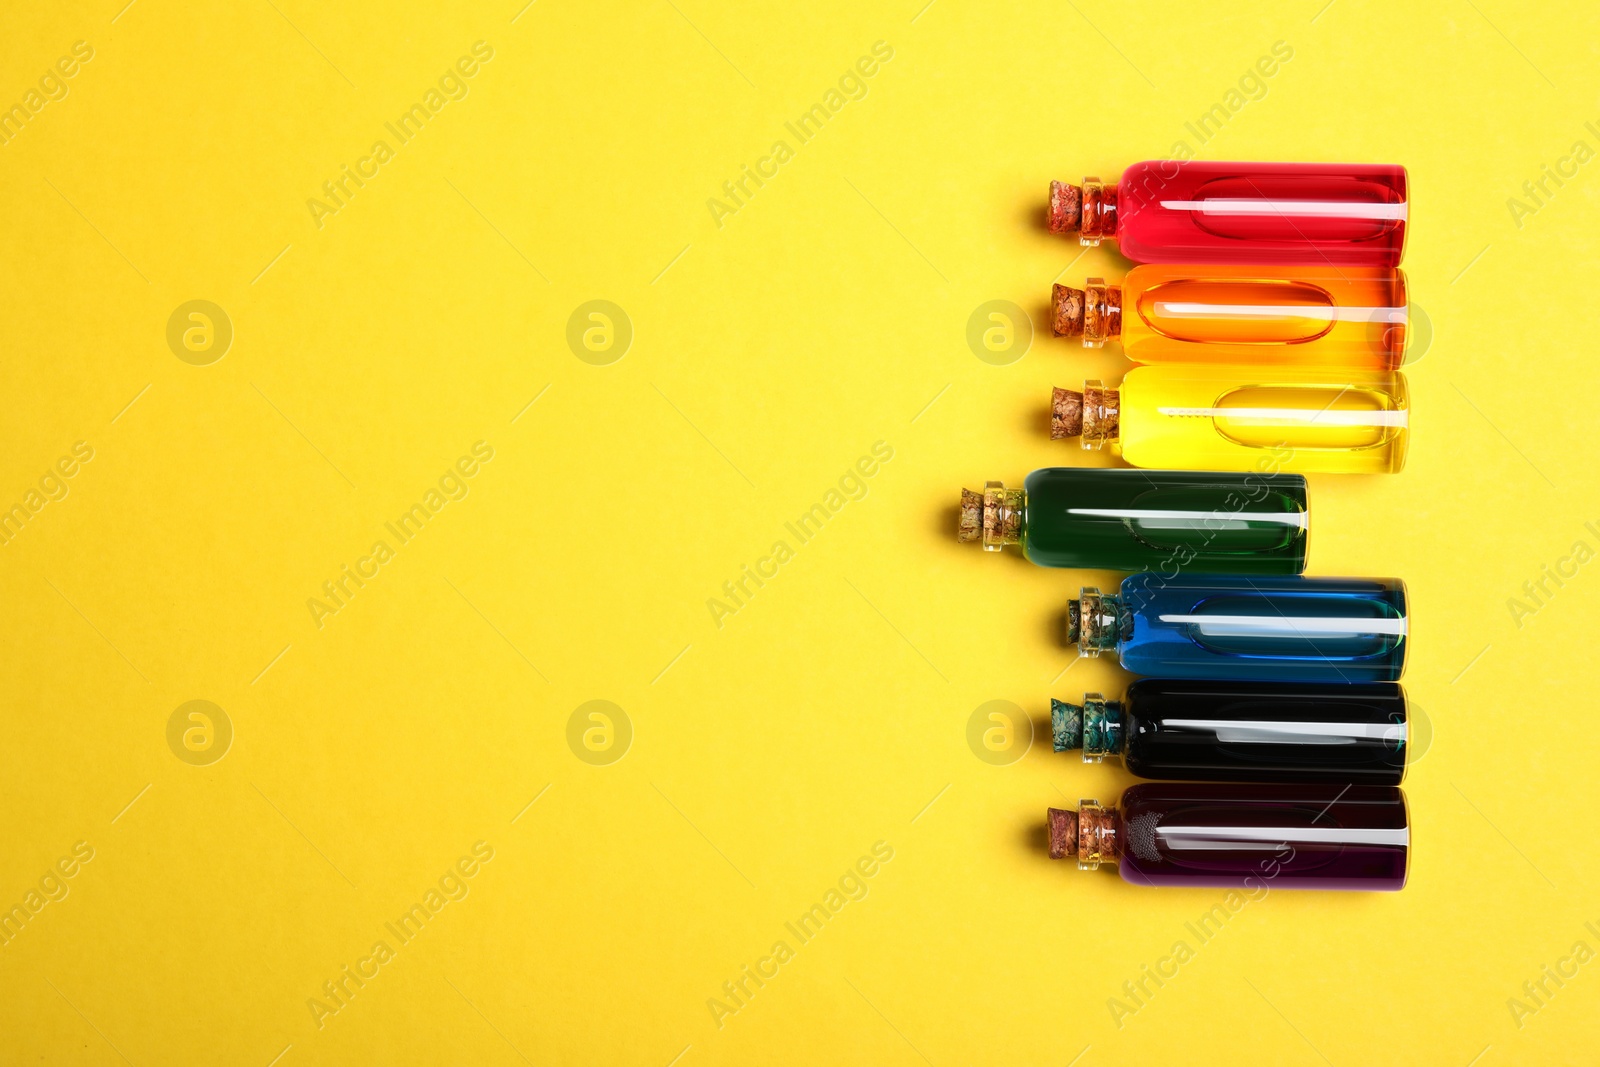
(1243, 731)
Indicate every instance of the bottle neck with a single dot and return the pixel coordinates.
(1102, 312)
(1096, 621)
(1097, 218)
(1003, 515)
(1103, 728)
(1102, 414)
(1092, 834)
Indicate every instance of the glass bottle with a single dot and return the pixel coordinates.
(1267, 629)
(1281, 317)
(1235, 418)
(1237, 836)
(1170, 211)
(1131, 520)
(1243, 731)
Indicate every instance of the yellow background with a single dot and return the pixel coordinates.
(769, 353)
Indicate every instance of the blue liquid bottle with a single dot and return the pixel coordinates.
(1270, 629)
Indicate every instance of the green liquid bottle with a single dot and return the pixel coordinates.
(1136, 520)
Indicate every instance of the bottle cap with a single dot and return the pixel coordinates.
(1066, 725)
(1063, 830)
(1066, 413)
(1066, 208)
(1066, 310)
(969, 527)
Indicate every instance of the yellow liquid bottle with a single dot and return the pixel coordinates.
(1279, 316)
(1244, 418)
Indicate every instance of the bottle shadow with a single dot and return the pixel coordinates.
(1044, 317)
(1033, 209)
(1058, 621)
(1038, 414)
(1036, 838)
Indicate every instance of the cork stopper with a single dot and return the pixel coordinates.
(1066, 413)
(1066, 305)
(1094, 414)
(969, 527)
(1066, 208)
(1074, 621)
(1063, 829)
(993, 516)
(1066, 725)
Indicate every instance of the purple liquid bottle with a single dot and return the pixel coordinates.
(1243, 836)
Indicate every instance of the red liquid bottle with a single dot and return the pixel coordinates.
(1243, 836)
(1165, 211)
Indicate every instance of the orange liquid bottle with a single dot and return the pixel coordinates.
(1349, 317)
